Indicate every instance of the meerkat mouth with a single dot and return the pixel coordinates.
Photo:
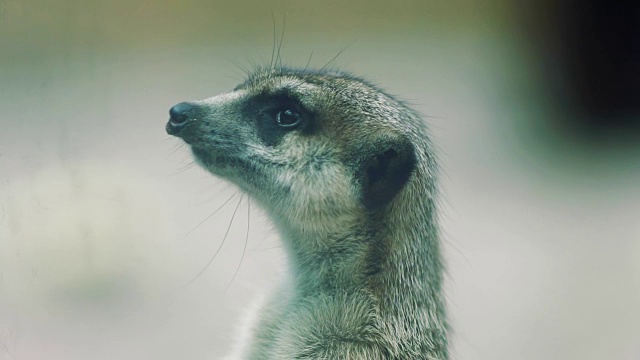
(210, 160)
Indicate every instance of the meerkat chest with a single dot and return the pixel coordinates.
(318, 326)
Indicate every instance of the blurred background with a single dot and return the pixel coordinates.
(108, 230)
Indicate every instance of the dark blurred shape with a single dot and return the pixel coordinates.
(602, 41)
(598, 46)
(602, 63)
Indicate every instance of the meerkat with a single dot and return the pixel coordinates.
(347, 174)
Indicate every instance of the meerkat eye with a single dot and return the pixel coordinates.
(288, 118)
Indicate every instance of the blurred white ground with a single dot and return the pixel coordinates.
(97, 212)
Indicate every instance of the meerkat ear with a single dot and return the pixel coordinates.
(386, 170)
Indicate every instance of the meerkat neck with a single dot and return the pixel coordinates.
(411, 270)
(393, 256)
(389, 255)
(327, 262)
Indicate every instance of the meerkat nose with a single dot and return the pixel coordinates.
(179, 115)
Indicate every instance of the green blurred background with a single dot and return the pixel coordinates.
(104, 218)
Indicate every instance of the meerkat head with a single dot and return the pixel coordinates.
(313, 147)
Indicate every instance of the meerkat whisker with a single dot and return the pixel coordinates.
(215, 254)
(244, 248)
(308, 61)
(209, 216)
(278, 58)
(273, 46)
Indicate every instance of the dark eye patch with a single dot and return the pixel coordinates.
(268, 112)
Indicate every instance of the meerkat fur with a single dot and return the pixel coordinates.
(348, 175)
